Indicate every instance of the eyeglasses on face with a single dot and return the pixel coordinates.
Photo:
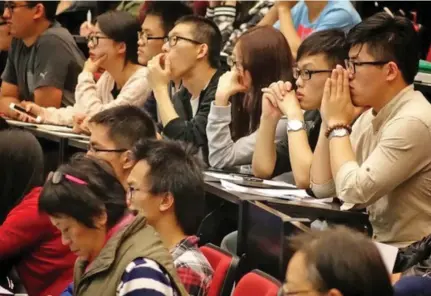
(173, 40)
(142, 35)
(94, 39)
(11, 6)
(351, 65)
(306, 74)
(93, 149)
(231, 62)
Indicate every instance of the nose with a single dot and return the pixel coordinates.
(299, 82)
(90, 153)
(64, 240)
(140, 42)
(6, 13)
(165, 47)
(90, 44)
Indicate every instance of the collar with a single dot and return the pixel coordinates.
(190, 242)
(381, 117)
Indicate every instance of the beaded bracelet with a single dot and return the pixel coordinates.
(338, 126)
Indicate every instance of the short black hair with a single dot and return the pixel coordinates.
(349, 272)
(169, 12)
(126, 124)
(50, 8)
(205, 31)
(175, 169)
(389, 38)
(331, 43)
(121, 26)
(103, 192)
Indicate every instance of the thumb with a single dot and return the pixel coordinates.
(167, 65)
(288, 85)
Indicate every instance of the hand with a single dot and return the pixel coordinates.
(270, 110)
(86, 29)
(93, 66)
(159, 71)
(80, 124)
(286, 99)
(230, 83)
(32, 108)
(337, 106)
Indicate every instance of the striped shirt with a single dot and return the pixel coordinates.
(145, 277)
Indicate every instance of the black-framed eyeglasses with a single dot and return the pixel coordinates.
(351, 65)
(172, 40)
(96, 150)
(94, 39)
(142, 35)
(231, 62)
(306, 74)
(11, 6)
(57, 177)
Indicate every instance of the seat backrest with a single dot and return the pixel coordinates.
(257, 282)
(224, 265)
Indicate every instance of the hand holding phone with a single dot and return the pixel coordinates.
(21, 110)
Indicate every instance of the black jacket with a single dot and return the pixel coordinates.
(186, 127)
(415, 259)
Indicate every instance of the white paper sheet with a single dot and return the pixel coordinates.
(3, 291)
(389, 255)
(233, 177)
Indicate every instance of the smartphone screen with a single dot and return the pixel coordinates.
(22, 110)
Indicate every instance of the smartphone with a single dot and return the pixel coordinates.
(20, 109)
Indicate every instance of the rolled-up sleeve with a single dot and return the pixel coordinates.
(401, 151)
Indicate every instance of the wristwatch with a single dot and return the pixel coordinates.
(295, 125)
(339, 133)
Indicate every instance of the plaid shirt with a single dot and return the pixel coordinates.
(192, 267)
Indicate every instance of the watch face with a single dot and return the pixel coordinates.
(295, 125)
(340, 132)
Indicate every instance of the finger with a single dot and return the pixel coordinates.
(339, 85)
(270, 97)
(167, 65)
(346, 83)
(288, 86)
(327, 89)
(332, 84)
(280, 85)
(276, 91)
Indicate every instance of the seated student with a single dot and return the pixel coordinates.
(336, 262)
(112, 47)
(191, 54)
(297, 20)
(28, 241)
(5, 41)
(118, 254)
(166, 186)
(114, 132)
(160, 18)
(317, 56)
(33, 72)
(385, 164)
(260, 57)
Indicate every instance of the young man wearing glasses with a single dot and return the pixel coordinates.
(114, 132)
(317, 56)
(44, 60)
(385, 163)
(191, 54)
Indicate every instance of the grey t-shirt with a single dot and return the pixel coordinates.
(53, 60)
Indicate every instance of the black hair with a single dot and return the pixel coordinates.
(169, 12)
(331, 43)
(50, 8)
(175, 169)
(343, 259)
(3, 124)
(121, 26)
(389, 38)
(205, 31)
(21, 163)
(103, 192)
(126, 125)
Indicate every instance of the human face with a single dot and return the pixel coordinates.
(369, 82)
(20, 16)
(100, 139)
(84, 242)
(5, 36)
(100, 45)
(184, 55)
(153, 28)
(310, 92)
(297, 282)
(151, 206)
(236, 62)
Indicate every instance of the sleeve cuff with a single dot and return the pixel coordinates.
(343, 172)
(223, 113)
(323, 190)
(85, 76)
